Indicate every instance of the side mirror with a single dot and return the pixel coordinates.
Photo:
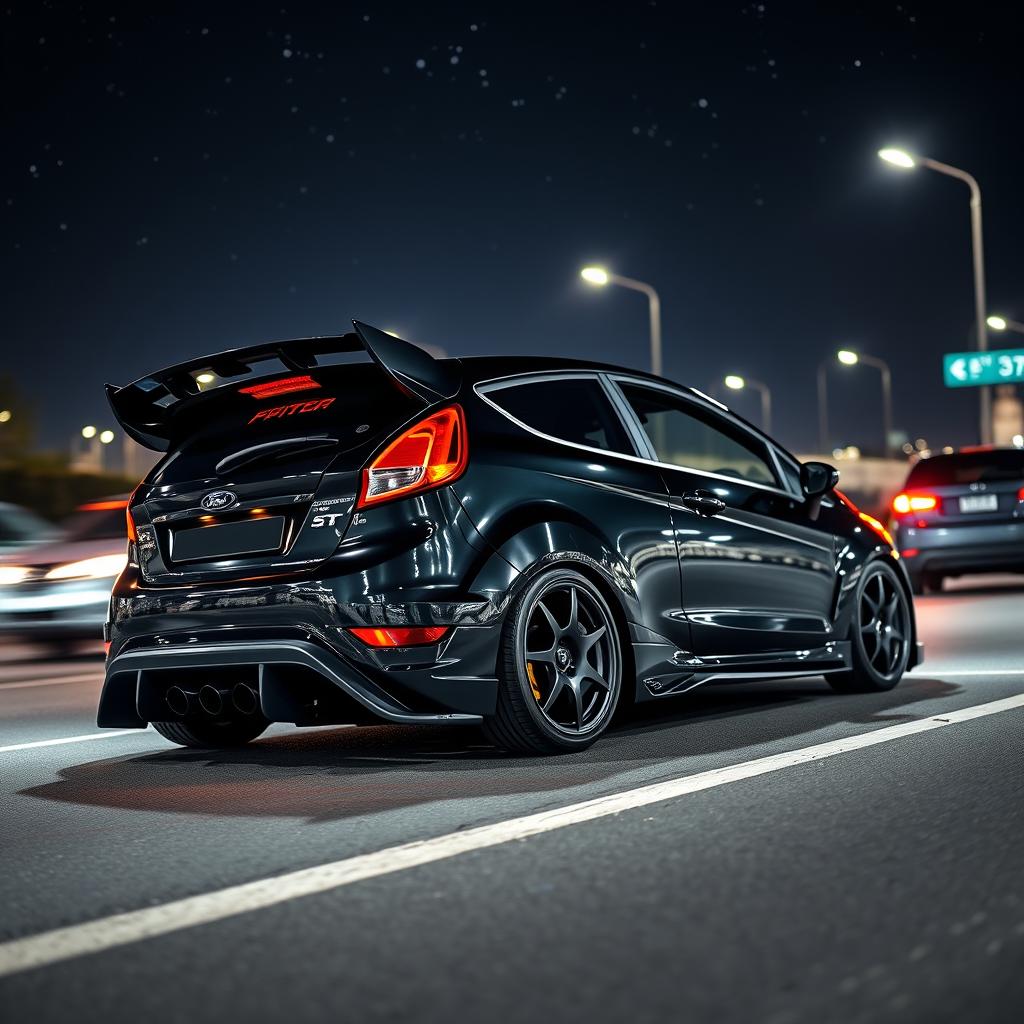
(817, 479)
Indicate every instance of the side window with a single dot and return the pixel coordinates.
(683, 435)
(574, 410)
(791, 471)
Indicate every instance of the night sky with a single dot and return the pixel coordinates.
(177, 183)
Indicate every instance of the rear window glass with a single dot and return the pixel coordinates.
(570, 410)
(353, 405)
(968, 468)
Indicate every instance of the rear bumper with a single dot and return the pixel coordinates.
(965, 548)
(303, 679)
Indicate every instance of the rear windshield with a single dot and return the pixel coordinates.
(351, 405)
(968, 468)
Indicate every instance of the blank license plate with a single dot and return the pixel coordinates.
(252, 537)
(979, 503)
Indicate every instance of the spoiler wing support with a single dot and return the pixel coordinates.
(145, 408)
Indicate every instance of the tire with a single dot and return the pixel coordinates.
(559, 667)
(213, 733)
(926, 583)
(880, 634)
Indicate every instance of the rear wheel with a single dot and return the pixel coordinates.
(560, 667)
(213, 733)
(926, 583)
(880, 634)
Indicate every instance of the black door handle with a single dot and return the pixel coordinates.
(703, 502)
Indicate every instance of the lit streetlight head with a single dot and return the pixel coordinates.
(107, 436)
(88, 432)
(594, 275)
(5, 415)
(997, 323)
(898, 158)
(735, 382)
(846, 357)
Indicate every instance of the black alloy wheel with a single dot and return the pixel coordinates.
(880, 633)
(561, 667)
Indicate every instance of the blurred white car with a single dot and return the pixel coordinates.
(57, 592)
(20, 528)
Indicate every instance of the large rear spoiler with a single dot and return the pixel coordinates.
(145, 407)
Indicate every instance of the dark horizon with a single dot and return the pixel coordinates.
(183, 183)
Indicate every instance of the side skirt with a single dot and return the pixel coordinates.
(663, 671)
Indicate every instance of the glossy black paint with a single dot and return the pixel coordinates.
(710, 577)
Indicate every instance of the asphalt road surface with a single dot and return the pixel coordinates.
(761, 852)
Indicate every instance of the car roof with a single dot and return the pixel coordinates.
(480, 368)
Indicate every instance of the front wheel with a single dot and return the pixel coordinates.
(560, 667)
(880, 634)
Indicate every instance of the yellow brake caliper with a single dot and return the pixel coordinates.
(533, 681)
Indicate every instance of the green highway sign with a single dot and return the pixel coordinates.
(972, 369)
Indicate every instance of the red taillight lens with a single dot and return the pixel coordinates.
(132, 536)
(904, 503)
(427, 455)
(1020, 494)
(403, 636)
(284, 386)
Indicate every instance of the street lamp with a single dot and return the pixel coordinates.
(599, 277)
(900, 158)
(5, 415)
(737, 383)
(88, 432)
(1000, 323)
(106, 436)
(850, 358)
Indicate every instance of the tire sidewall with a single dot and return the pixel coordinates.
(861, 659)
(516, 637)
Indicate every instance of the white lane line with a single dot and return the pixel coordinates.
(92, 676)
(973, 672)
(136, 925)
(85, 738)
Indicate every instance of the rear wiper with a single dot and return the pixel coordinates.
(287, 446)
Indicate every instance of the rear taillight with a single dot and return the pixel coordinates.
(395, 636)
(1020, 494)
(132, 536)
(904, 503)
(282, 386)
(427, 455)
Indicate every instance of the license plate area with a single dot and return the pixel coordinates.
(979, 503)
(227, 540)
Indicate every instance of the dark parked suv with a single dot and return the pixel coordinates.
(522, 542)
(961, 513)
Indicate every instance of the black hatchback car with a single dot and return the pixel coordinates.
(960, 513)
(527, 543)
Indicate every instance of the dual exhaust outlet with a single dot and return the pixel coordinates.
(213, 700)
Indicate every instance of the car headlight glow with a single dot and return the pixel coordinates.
(11, 574)
(89, 568)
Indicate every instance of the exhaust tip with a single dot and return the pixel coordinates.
(212, 700)
(179, 701)
(245, 699)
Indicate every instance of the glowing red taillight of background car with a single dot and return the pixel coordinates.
(429, 454)
(904, 503)
(284, 386)
(395, 636)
